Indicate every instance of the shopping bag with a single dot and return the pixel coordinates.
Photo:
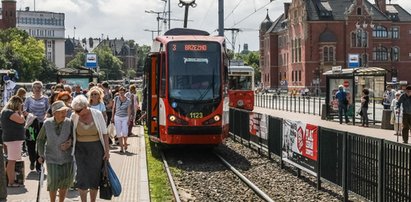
(105, 187)
(111, 130)
(114, 181)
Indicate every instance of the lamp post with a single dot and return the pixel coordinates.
(152, 32)
(362, 26)
(186, 4)
(158, 19)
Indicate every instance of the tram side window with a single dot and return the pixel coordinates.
(163, 78)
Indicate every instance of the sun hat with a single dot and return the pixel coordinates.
(58, 106)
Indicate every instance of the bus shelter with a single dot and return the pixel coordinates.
(354, 81)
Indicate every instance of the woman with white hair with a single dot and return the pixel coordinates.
(90, 146)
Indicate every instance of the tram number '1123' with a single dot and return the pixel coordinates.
(196, 115)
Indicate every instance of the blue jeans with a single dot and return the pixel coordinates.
(342, 109)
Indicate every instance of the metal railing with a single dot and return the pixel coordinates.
(376, 169)
(300, 104)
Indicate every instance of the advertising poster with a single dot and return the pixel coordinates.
(334, 83)
(83, 82)
(300, 143)
(259, 125)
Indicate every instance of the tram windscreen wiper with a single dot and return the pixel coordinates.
(211, 86)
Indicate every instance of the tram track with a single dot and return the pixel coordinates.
(221, 173)
(200, 175)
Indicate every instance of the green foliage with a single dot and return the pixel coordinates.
(158, 182)
(23, 53)
(142, 54)
(252, 59)
(109, 64)
(78, 61)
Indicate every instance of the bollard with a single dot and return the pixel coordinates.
(3, 189)
(385, 121)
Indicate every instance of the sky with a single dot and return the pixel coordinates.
(129, 18)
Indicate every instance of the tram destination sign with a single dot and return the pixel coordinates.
(191, 46)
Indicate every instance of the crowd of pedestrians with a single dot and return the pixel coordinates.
(67, 131)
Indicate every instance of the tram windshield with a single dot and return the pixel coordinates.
(194, 70)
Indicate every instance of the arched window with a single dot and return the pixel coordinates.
(359, 38)
(380, 32)
(380, 54)
(359, 11)
(395, 54)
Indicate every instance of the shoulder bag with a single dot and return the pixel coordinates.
(105, 187)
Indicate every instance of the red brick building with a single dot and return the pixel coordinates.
(312, 36)
(8, 14)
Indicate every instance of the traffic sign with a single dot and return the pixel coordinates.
(91, 60)
(346, 83)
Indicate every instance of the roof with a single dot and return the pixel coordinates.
(368, 71)
(240, 68)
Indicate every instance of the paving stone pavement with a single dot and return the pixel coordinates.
(131, 169)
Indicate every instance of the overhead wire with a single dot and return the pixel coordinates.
(255, 11)
(208, 11)
(232, 11)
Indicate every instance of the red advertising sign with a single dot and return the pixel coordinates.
(300, 144)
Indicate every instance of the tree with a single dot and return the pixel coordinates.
(142, 52)
(252, 59)
(109, 64)
(23, 53)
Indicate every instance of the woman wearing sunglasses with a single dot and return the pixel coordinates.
(95, 99)
(90, 146)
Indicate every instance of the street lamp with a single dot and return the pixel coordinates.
(152, 32)
(158, 19)
(362, 26)
(187, 3)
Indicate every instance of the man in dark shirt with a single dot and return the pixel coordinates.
(405, 101)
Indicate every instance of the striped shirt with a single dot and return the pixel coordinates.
(38, 107)
(121, 107)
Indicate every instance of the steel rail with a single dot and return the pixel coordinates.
(257, 190)
(170, 178)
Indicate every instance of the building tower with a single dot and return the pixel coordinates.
(264, 26)
(8, 14)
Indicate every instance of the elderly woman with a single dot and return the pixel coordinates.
(54, 147)
(122, 117)
(91, 146)
(95, 99)
(37, 104)
(13, 135)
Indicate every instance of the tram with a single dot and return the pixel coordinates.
(241, 87)
(186, 80)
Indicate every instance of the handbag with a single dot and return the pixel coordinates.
(111, 130)
(114, 181)
(105, 187)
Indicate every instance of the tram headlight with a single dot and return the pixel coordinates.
(172, 118)
(212, 120)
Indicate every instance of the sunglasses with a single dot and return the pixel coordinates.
(78, 110)
(93, 94)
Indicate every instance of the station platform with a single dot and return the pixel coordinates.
(130, 167)
(372, 131)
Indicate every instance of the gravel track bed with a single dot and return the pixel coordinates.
(279, 184)
(201, 176)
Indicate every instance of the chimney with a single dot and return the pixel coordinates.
(381, 4)
(286, 8)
